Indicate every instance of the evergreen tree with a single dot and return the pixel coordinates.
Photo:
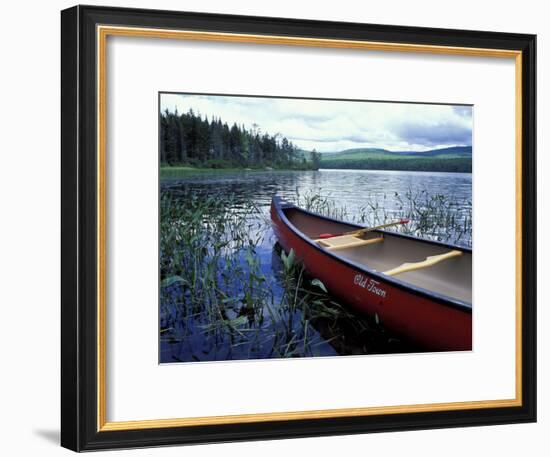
(315, 159)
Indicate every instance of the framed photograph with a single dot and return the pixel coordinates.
(279, 228)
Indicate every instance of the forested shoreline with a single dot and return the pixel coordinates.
(191, 141)
(452, 165)
(188, 139)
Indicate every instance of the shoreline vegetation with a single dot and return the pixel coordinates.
(189, 142)
(458, 165)
(177, 171)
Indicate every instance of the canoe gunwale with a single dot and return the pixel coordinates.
(440, 298)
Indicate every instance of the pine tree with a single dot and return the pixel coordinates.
(315, 159)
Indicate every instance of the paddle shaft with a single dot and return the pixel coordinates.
(378, 227)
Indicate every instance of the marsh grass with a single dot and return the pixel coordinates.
(219, 301)
(216, 300)
(432, 216)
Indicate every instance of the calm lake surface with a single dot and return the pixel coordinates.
(438, 204)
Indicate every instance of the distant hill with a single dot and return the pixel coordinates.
(452, 159)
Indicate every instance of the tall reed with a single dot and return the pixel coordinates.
(432, 216)
(221, 300)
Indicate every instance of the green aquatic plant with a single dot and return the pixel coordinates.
(316, 203)
(219, 301)
(432, 216)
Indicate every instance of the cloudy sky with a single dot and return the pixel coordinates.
(328, 125)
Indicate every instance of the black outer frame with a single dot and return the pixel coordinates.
(79, 217)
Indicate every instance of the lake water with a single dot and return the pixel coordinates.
(364, 196)
(438, 204)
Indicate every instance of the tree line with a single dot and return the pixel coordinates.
(190, 140)
(454, 165)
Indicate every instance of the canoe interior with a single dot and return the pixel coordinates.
(451, 277)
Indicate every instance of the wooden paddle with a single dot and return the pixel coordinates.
(364, 230)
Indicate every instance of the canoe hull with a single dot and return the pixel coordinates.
(422, 319)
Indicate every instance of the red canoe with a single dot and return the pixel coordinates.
(418, 288)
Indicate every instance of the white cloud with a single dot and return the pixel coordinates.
(330, 125)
